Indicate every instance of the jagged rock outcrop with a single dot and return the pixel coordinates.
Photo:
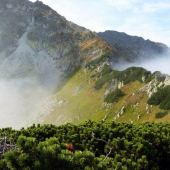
(79, 88)
(36, 41)
(38, 47)
(159, 81)
(126, 48)
(122, 111)
(113, 85)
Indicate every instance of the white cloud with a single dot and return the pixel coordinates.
(160, 64)
(89, 14)
(139, 5)
(153, 7)
(146, 30)
(124, 4)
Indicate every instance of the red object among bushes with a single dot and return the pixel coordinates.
(70, 147)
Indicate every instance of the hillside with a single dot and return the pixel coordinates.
(43, 76)
(35, 41)
(82, 97)
(64, 87)
(38, 47)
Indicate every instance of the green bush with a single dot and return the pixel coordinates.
(97, 61)
(114, 96)
(106, 70)
(161, 114)
(161, 97)
(131, 74)
(165, 104)
(103, 80)
(41, 147)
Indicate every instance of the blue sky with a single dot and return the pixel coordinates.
(149, 19)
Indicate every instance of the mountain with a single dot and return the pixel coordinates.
(132, 48)
(54, 71)
(35, 41)
(38, 48)
(91, 92)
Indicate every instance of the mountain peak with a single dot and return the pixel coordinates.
(38, 47)
(38, 33)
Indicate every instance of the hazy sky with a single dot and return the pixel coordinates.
(149, 19)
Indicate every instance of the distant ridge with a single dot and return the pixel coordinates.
(132, 48)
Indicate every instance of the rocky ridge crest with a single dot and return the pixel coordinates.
(36, 41)
(126, 48)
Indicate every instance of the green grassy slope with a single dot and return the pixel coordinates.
(83, 101)
(80, 104)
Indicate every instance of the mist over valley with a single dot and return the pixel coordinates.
(39, 49)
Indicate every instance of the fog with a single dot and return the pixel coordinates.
(27, 78)
(159, 63)
(20, 101)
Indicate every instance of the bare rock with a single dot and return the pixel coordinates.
(9, 6)
(159, 81)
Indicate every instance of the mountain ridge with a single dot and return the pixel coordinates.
(80, 100)
(133, 48)
(44, 31)
(39, 48)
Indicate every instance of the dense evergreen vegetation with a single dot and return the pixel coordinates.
(152, 76)
(161, 98)
(106, 70)
(161, 114)
(114, 96)
(142, 146)
(96, 62)
(129, 75)
(104, 79)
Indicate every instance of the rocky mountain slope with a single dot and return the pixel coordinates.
(84, 96)
(39, 48)
(132, 48)
(36, 41)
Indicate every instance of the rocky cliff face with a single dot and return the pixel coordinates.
(37, 47)
(128, 48)
(36, 41)
(159, 81)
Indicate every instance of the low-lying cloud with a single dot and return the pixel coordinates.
(159, 63)
(19, 99)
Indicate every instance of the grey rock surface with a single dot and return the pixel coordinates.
(36, 41)
(126, 48)
(158, 82)
(38, 47)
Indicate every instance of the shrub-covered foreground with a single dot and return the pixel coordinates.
(142, 146)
